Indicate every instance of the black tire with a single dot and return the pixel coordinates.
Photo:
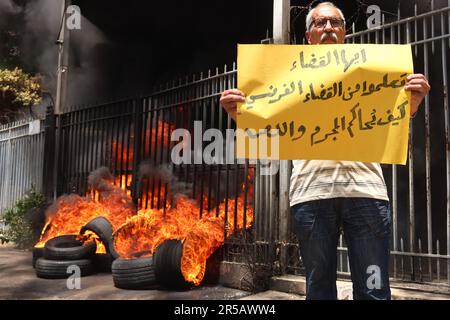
(101, 227)
(68, 248)
(212, 268)
(112, 249)
(134, 274)
(37, 253)
(53, 269)
(102, 262)
(167, 262)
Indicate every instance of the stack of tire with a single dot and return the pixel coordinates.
(150, 272)
(59, 254)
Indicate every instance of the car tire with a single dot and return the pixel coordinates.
(102, 262)
(101, 227)
(37, 253)
(112, 249)
(68, 248)
(135, 274)
(167, 262)
(54, 269)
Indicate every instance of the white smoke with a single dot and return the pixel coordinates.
(8, 7)
(164, 172)
(40, 51)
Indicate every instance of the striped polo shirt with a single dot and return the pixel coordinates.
(326, 179)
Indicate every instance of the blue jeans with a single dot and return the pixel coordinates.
(366, 224)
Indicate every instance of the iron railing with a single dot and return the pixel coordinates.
(21, 160)
(120, 135)
(420, 191)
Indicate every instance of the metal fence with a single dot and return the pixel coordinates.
(420, 191)
(120, 135)
(21, 160)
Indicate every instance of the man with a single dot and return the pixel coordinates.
(327, 196)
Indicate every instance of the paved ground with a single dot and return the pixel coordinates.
(18, 281)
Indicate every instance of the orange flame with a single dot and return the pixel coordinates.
(208, 235)
(159, 192)
(88, 235)
(123, 150)
(142, 234)
(138, 233)
(161, 132)
(73, 212)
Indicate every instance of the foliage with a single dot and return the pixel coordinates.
(19, 89)
(20, 229)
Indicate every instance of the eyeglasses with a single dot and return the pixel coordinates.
(322, 22)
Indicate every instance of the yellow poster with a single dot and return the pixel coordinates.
(329, 102)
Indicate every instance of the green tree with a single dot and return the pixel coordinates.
(17, 91)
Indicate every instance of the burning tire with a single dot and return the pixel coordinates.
(101, 227)
(37, 253)
(134, 273)
(167, 261)
(102, 262)
(68, 248)
(112, 249)
(53, 269)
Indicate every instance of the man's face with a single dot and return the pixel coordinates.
(323, 31)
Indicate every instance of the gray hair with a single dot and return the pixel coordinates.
(323, 4)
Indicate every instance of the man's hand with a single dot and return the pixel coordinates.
(419, 87)
(229, 100)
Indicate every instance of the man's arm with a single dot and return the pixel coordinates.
(419, 87)
(229, 100)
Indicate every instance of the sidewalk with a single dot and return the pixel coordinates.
(18, 281)
(399, 290)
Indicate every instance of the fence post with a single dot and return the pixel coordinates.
(284, 225)
(9, 172)
(138, 108)
(281, 23)
(48, 185)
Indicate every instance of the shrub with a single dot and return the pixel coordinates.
(21, 227)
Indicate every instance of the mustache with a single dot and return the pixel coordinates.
(328, 35)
